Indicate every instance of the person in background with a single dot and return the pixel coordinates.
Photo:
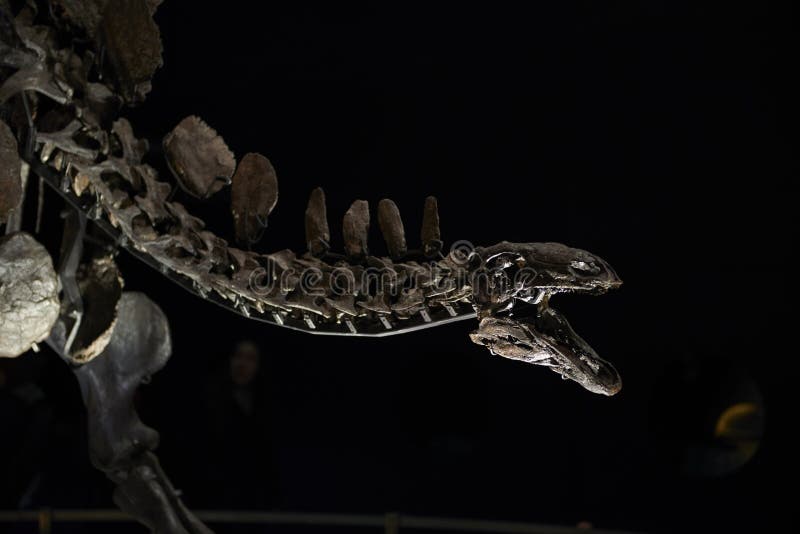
(25, 421)
(43, 450)
(245, 364)
(240, 466)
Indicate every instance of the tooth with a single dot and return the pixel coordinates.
(355, 228)
(318, 235)
(392, 228)
(431, 236)
(254, 194)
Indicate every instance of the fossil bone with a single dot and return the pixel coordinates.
(198, 157)
(100, 285)
(74, 144)
(10, 181)
(431, 236)
(37, 78)
(392, 228)
(133, 150)
(133, 44)
(355, 229)
(119, 443)
(549, 340)
(254, 194)
(29, 304)
(318, 236)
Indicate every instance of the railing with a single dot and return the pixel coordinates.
(391, 523)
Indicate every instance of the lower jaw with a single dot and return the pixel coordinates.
(541, 336)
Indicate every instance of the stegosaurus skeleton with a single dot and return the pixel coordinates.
(67, 68)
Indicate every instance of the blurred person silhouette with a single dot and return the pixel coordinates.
(43, 458)
(25, 419)
(240, 466)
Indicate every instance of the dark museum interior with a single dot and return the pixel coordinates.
(653, 134)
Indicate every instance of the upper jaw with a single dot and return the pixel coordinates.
(550, 267)
(530, 273)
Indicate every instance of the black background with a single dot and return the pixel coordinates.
(648, 133)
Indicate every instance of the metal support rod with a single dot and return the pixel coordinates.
(378, 522)
(392, 523)
(14, 222)
(45, 521)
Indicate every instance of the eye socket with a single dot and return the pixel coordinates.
(584, 267)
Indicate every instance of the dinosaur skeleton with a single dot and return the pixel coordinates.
(67, 67)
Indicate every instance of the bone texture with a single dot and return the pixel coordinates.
(318, 235)
(430, 233)
(392, 228)
(100, 162)
(29, 304)
(198, 157)
(119, 443)
(133, 45)
(253, 197)
(355, 229)
(10, 181)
